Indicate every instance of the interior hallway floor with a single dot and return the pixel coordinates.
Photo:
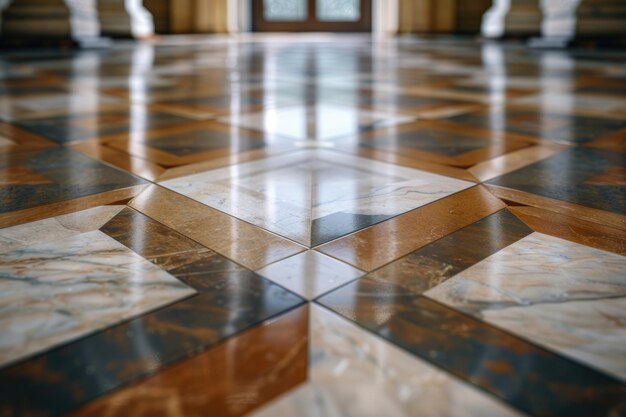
(313, 227)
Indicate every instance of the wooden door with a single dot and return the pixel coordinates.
(312, 15)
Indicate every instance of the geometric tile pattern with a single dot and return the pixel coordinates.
(315, 196)
(563, 295)
(296, 227)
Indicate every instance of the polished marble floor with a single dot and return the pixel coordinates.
(313, 226)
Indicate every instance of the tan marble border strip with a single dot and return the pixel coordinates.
(561, 207)
(504, 164)
(63, 207)
(23, 139)
(606, 114)
(219, 163)
(393, 158)
(570, 228)
(380, 244)
(242, 242)
(500, 134)
(615, 141)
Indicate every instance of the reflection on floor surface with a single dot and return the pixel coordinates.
(327, 227)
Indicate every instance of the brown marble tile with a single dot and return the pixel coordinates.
(230, 379)
(245, 244)
(513, 161)
(13, 137)
(429, 266)
(407, 161)
(558, 206)
(56, 209)
(378, 245)
(572, 228)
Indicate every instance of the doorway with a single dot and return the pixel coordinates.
(312, 15)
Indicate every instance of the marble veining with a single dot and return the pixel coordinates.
(315, 196)
(56, 228)
(355, 374)
(565, 296)
(57, 291)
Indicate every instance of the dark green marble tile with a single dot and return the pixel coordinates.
(569, 176)
(69, 175)
(73, 128)
(565, 128)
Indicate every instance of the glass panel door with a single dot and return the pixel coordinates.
(312, 15)
(339, 10)
(285, 10)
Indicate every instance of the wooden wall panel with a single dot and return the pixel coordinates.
(198, 16)
(160, 10)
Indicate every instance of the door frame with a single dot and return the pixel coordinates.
(385, 17)
(312, 24)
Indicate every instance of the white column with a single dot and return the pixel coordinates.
(512, 18)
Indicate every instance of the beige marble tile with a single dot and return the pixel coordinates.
(56, 228)
(565, 296)
(355, 374)
(315, 196)
(57, 291)
(310, 274)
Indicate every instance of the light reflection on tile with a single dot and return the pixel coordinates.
(355, 374)
(310, 274)
(313, 197)
(560, 294)
(54, 292)
(322, 122)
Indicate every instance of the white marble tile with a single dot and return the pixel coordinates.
(56, 228)
(356, 374)
(310, 274)
(286, 193)
(57, 291)
(565, 296)
(321, 122)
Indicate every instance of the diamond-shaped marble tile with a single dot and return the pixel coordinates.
(310, 274)
(315, 196)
